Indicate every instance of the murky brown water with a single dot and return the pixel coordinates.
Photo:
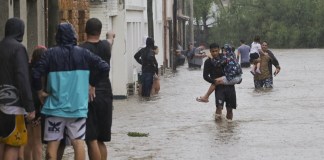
(285, 123)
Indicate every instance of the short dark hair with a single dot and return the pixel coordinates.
(257, 38)
(213, 45)
(242, 41)
(93, 27)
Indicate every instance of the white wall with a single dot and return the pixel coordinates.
(130, 26)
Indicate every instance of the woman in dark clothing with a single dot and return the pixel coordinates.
(146, 58)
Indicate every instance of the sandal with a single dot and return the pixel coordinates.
(199, 99)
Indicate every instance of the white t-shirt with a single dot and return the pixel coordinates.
(255, 47)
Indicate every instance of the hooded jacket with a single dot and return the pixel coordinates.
(15, 90)
(67, 67)
(146, 58)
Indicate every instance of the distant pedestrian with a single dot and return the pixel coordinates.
(67, 67)
(145, 57)
(223, 93)
(195, 56)
(16, 99)
(243, 54)
(267, 60)
(255, 55)
(180, 55)
(99, 119)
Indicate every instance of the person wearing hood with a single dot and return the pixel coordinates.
(15, 92)
(146, 58)
(67, 67)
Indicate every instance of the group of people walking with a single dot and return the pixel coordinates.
(223, 70)
(67, 89)
(63, 96)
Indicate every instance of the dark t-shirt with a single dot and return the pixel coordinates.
(103, 50)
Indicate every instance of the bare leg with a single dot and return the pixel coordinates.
(258, 68)
(37, 143)
(229, 114)
(10, 152)
(253, 67)
(21, 153)
(218, 114)
(1, 150)
(79, 151)
(93, 150)
(103, 150)
(60, 151)
(51, 150)
(205, 97)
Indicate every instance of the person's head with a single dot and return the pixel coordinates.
(37, 53)
(93, 27)
(156, 50)
(15, 28)
(256, 39)
(264, 45)
(214, 49)
(242, 41)
(149, 42)
(65, 34)
(227, 49)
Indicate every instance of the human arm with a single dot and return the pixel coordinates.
(207, 72)
(138, 55)
(274, 62)
(21, 70)
(110, 36)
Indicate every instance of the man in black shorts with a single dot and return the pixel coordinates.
(99, 119)
(223, 93)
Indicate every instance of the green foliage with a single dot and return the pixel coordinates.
(283, 23)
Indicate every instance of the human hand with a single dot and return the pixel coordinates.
(42, 95)
(276, 71)
(110, 36)
(30, 116)
(92, 93)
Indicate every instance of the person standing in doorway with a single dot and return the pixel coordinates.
(99, 119)
(267, 60)
(243, 54)
(67, 67)
(16, 99)
(145, 57)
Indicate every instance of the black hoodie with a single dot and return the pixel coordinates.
(15, 90)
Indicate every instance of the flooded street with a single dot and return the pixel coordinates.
(285, 123)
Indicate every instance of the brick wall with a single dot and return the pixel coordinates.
(77, 13)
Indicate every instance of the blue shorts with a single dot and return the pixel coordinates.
(266, 83)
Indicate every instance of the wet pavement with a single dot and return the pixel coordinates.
(285, 123)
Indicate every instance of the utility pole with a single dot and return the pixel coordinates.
(191, 22)
(165, 60)
(175, 45)
(150, 18)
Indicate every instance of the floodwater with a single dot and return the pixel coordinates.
(285, 123)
